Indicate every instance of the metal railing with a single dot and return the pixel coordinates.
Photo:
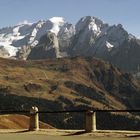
(92, 119)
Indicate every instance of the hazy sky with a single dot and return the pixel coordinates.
(126, 12)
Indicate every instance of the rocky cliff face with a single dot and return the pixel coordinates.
(48, 47)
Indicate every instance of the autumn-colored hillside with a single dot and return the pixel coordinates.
(68, 83)
(18, 122)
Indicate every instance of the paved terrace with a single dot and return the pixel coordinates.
(57, 134)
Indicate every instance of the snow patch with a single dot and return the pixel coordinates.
(93, 26)
(58, 22)
(11, 49)
(109, 46)
(33, 35)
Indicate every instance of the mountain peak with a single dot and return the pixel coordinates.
(90, 23)
(88, 19)
(55, 23)
(57, 20)
(25, 22)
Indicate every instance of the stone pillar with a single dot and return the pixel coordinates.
(90, 121)
(34, 119)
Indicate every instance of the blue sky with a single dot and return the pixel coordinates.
(126, 12)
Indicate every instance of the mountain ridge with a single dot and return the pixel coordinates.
(90, 37)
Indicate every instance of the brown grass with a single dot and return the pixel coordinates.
(18, 122)
(89, 73)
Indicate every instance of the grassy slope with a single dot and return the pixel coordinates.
(18, 122)
(92, 80)
(66, 84)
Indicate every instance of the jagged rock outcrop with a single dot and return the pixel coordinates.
(48, 47)
(65, 39)
(3, 52)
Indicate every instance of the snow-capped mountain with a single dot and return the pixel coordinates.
(95, 38)
(14, 40)
(55, 38)
(112, 43)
